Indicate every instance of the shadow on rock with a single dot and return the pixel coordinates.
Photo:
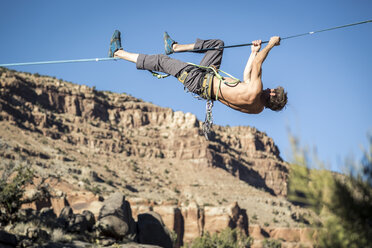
(152, 231)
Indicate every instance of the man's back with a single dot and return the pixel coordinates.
(240, 97)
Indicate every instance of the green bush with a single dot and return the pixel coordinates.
(12, 188)
(228, 238)
(344, 202)
(271, 243)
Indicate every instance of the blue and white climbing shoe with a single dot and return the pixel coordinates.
(168, 43)
(115, 43)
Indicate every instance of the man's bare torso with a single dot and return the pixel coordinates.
(239, 97)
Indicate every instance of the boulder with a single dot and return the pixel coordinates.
(47, 213)
(48, 217)
(81, 223)
(115, 218)
(26, 214)
(238, 218)
(7, 239)
(152, 231)
(77, 224)
(36, 233)
(65, 216)
(66, 212)
(91, 220)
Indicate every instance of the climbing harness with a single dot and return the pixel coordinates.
(207, 87)
(197, 50)
(216, 73)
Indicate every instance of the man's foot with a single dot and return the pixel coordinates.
(115, 43)
(168, 44)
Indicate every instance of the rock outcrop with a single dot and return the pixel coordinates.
(90, 143)
(115, 218)
(121, 124)
(115, 225)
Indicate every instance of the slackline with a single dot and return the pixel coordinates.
(196, 50)
(284, 38)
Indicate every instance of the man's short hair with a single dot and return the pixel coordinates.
(277, 102)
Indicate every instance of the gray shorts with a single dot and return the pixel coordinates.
(174, 67)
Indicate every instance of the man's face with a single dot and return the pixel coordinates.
(271, 91)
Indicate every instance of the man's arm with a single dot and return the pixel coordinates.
(255, 48)
(256, 84)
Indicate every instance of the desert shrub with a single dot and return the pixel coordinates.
(58, 235)
(228, 238)
(344, 202)
(271, 243)
(95, 190)
(12, 187)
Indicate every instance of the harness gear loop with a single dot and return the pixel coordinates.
(158, 75)
(183, 76)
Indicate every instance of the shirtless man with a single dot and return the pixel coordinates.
(247, 96)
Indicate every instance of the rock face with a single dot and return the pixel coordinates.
(121, 124)
(115, 227)
(90, 143)
(192, 221)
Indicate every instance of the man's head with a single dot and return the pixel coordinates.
(275, 99)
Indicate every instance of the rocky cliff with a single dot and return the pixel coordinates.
(91, 143)
(123, 125)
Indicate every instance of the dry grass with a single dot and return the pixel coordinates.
(58, 235)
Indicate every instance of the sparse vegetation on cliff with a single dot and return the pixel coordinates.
(228, 238)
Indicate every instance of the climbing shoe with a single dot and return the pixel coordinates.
(168, 43)
(115, 43)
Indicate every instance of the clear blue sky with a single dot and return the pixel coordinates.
(328, 76)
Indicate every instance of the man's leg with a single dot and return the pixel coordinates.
(211, 57)
(158, 62)
(132, 57)
(183, 47)
(195, 75)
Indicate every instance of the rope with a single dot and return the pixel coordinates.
(285, 38)
(59, 61)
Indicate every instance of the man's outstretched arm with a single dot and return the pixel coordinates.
(255, 48)
(257, 64)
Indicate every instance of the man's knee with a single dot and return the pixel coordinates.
(219, 43)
